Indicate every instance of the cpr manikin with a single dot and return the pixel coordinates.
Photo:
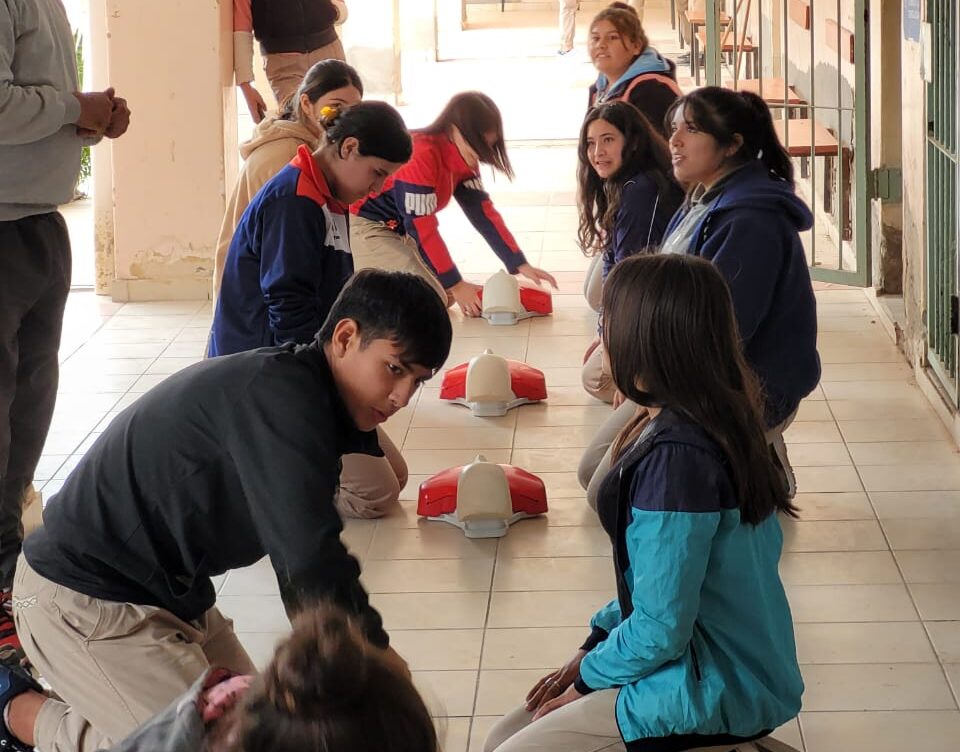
(491, 384)
(505, 302)
(483, 498)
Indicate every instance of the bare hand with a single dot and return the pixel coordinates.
(552, 685)
(467, 296)
(96, 108)
(591, 350)
(569, 695)
(392, 658)
(255, 103)
(119, 119)
(537, 276)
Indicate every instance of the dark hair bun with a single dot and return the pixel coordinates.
(322, 669)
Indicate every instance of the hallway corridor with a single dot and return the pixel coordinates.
(872, 568)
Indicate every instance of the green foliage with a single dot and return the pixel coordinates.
(85, 164)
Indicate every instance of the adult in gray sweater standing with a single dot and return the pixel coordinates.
(44, 122)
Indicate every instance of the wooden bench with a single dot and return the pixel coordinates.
(699, 41)
(772, 90)
(697, 17)
(808, 138)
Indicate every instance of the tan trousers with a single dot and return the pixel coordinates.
(585, 725)
(593, 283)
(369, 486)
(115, 665)
(568, 23)
(285, 70)
(376, 246)
(595, 377)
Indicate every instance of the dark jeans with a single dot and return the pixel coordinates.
(34, 283)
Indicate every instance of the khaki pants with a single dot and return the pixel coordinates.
(593, 283)
(595, 377)
(597, 458)
(376, 246)
(285, 70)
(115, 665)
(585, 725)
(369, 486)
(568, 23)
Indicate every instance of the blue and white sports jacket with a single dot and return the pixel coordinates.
(287, 262)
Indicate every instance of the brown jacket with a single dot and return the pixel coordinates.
(273, 145)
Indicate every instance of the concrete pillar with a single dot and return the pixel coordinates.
(169, 173)
(371, 41)
(886, 113)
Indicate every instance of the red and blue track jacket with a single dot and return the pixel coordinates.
(287, 262)
(411, 198)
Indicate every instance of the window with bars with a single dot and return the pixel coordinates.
(942, 211)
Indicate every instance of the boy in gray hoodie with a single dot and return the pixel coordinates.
(44, 122)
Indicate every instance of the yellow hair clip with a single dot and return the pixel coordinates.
(329, 113)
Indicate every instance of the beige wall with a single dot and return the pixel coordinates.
(159, 191)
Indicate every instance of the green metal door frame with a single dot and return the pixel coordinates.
(860, 276)
(942, 212)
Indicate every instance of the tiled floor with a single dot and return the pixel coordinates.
(872, 569)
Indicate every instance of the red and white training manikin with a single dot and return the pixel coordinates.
(483, 498)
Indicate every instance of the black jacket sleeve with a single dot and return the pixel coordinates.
(285, 453)
(653, 98)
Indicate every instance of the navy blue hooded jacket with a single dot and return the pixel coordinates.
(751, 232)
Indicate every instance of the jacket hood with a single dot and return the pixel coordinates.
(754, 186)
(274, 129)
(649, 61)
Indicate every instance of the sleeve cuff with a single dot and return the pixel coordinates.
(581, 686)
(243, 56)
(450, 278)
(597, 635)
(515, 261)
(71, 109)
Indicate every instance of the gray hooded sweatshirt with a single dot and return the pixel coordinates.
(39, 146)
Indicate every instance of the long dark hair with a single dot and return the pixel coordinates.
(724, 113)
(327, 689)
(376, 125)
(474, 114)
(323, 77)
(644, 150)
(671, 335)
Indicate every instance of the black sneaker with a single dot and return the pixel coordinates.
(11, 651)
(13, 681)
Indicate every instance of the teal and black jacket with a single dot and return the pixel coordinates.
(700, 639)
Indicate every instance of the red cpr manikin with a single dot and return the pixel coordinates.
(483, 499)
(491, 384)
(505, 301)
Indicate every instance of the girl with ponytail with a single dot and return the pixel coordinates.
(328, 84)
(743, 214)
(290, 257)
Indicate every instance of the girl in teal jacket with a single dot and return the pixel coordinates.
(697, 650)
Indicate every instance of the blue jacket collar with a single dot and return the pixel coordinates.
(649, 61)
